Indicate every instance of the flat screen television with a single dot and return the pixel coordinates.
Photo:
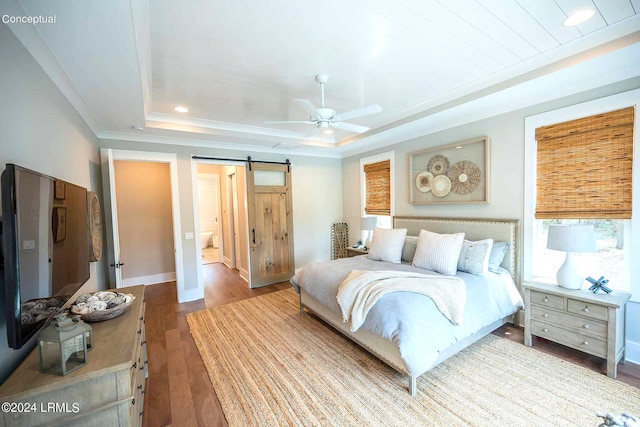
(45, 245)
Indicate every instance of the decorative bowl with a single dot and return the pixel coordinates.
(101, 306)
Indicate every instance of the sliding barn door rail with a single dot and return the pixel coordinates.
(248, 160)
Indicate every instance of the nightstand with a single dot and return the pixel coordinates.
(592, 323)
(355, 252)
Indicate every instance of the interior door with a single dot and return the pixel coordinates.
(113, 255)
(236, 221)
(270, 215)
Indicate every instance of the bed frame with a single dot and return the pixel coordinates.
(475, 229)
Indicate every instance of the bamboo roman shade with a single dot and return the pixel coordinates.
(584, 167)
(378, 188)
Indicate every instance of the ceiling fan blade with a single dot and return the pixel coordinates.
(349, 126)
(305, 122)
(307, 106)
(358, 112)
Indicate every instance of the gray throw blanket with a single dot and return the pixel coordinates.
(359, 292)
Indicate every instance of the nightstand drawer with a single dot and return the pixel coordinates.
(592, 327)
(585, 309)
(547, 300)
(572, 339)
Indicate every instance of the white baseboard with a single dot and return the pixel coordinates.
(149, 280)
(227, 261)
(632, 353)
(244, 274)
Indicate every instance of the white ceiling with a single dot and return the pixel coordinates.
(238, 63)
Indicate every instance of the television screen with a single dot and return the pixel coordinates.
(45, 245)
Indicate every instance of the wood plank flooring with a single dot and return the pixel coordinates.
(179, 392)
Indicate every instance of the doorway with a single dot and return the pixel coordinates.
(114, 252)
(224, 182)
(210, 213)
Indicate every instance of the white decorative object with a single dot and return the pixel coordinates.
(438, 252)
(367, 224)
(571, 239)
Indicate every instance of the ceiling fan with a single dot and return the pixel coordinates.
(325, 118)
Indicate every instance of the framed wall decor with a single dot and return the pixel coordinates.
(455, 173)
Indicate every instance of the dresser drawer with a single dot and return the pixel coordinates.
(573, 339)
(587, 309)
(547, 300)
(567, 320)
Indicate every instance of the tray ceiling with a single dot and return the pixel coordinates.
(236, 64)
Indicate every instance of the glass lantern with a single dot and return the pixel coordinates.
(63, 345)
(88, 330)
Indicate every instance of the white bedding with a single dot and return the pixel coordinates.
(412, 321)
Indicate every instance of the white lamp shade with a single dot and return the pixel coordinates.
(572, 238)
(368, 223)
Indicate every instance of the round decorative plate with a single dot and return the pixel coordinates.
(440, 185)
(423, 181)
(95, 227)
(464, 176)
(438, 164)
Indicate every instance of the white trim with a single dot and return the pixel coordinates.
(597, 106)
(149, 280)
(184, 295)
(244, 274)
(387, 155)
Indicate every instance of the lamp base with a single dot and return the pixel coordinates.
(568, 275)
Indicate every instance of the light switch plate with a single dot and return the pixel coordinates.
(188, 236)
(29, 244)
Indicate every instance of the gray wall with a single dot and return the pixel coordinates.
(506, 132)
(317, 199)
(40, 130)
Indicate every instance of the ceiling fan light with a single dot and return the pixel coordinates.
(578, 17)
(181, 109)
(328, 131)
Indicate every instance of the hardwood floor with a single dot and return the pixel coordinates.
(179, 392)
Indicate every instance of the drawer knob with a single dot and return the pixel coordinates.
(139, 386)
(586, 309)
(545, 299)
(545, 330)
(545, 315)
(586, 326)
(133, 402)
(585, 342)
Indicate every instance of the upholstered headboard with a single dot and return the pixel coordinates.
(504, 230)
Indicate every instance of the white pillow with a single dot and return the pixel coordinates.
(386, 244)
(474, 256)
(438, 252)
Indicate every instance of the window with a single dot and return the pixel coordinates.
(377, 183)
(579, 170)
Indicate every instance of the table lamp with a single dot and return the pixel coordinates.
(571, 239)
(367, 224)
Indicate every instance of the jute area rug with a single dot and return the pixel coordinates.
(272, 366)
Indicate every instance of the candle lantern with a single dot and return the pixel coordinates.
(63, 345)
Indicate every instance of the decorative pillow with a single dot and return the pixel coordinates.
(474, 256)
(386, 244)
(409, 248)
(438, 252)
(498, 251)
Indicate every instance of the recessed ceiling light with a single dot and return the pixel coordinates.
(140, 128)
(181, 109)
(578, 17)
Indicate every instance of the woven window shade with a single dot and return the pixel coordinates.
(584, 167)
(378, 188)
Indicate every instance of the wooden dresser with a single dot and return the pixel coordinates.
(107, 391)
(593, 323)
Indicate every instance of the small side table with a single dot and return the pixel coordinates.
(355, 252)
(592, 323)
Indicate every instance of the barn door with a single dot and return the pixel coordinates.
(270, 217)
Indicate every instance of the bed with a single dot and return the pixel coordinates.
(404, 329)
